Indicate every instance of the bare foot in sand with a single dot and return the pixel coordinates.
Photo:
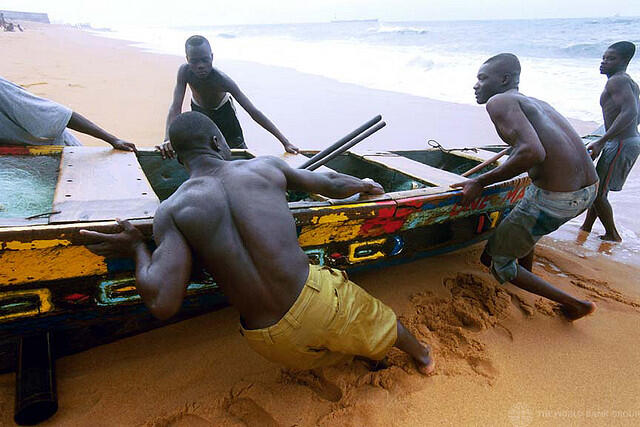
(425, 364)
(420, 353)
(615, 237)
(575, 313)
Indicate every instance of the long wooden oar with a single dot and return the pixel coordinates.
(486, 162)
(346, 146)
(340, 142)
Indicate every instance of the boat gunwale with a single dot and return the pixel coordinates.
(70, 230)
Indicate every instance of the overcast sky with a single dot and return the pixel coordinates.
(216, 12)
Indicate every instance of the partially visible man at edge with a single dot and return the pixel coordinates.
(212, 91)
(564, 181)
(27, 119)
(620, 145)
(234, 218)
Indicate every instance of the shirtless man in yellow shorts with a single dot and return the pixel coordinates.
(234, 218)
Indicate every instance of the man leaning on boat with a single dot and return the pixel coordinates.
(234, 218)
(26, 119)
(564, 181)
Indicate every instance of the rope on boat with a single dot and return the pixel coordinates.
(435, 144)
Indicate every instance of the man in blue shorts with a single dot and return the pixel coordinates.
(564, 181)
(620, 145)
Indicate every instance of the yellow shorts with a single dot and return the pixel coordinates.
(332, 320)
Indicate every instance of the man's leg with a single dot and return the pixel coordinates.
(605, 213)
(421, 354)
(573, 307)
(590, 219)
(526, 261)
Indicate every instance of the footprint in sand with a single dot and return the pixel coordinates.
(452, 323)
(250, 413)
(315, 381)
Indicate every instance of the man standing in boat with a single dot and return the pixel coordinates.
(234, 218)
(564, 181)
(212, 96)
(620, 145)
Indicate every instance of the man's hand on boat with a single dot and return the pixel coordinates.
(471, 190)
(121, 144)
(595, 148)
(373, 188)
(290, 148)
(119, 245)
(166, 150)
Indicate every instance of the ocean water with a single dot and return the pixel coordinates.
(438, 60)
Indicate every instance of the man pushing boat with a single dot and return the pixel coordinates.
(234, 218)
(564, 181)
(212, 96)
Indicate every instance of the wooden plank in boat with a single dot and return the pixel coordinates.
(415, 169)
(481, 155)
(97, 183)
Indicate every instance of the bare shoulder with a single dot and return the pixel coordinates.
(619, 82)
(222, 78)
(182, 71)
(501, 103)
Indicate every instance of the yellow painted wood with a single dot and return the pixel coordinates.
(43, 150)
(321, 234)
(45, 302)
(34, 244)
(354, 246)
(48, 264)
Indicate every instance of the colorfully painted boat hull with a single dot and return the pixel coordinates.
(50, 281)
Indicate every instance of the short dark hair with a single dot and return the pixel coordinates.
(625, 49)
(192, 130)
(508, 60)
(195, 41)
(507, 63)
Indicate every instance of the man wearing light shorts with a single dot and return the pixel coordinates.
(564, 181)
(620, 145)
(234, 218)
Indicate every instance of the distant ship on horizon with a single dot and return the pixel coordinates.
(346, 21)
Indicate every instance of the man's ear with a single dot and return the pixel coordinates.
(215, 144)
(506, 79)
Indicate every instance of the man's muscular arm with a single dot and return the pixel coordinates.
(174, 110)
(161, 277)
(257, 115)
(515, 129)
(622, 96)
(330, 184)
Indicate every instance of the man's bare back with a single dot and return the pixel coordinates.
(239, 223)
(234, 218)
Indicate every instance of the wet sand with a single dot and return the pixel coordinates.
(504, 357)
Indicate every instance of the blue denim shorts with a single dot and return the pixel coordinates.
(539, 213)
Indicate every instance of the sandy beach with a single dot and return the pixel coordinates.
(505, 357)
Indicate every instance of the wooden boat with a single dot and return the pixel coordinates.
(49, 280)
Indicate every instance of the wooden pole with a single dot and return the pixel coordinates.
(486, 162)
(340, 142)
(346, 146)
